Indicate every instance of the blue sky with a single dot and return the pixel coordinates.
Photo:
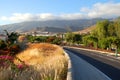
(25, 10)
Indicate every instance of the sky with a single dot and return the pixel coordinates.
(13, 11)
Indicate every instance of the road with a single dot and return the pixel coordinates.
(89, 65)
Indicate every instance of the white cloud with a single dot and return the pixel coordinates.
(105, 10)
(72, 16)
(20, 17)
(4, 18)
(46, 16)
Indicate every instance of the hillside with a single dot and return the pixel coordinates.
(92, 27)
(51, 25)
(86, 30)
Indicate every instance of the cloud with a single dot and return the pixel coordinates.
(104, 10)
(46, 16)
(72, 16)
(4, 18)
(18, 17)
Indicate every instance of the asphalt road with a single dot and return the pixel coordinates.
(106, 64)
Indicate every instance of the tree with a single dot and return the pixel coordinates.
(69, 37)
(102, 29)
(111, 29)
(77, 38)
(12, 37)
(106, 35)
(90, 41)
(117, 42)
(117, 28)
(57, 41)
(103, 43)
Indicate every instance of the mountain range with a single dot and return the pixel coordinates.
(50, 25)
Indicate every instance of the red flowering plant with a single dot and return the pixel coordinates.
(22, 65)
(7, 61)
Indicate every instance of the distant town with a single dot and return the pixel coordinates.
(3, 35)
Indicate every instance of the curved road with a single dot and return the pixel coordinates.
(88, 65)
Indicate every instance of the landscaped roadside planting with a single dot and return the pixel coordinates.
(40, 61)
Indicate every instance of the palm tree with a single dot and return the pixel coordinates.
(11, 37)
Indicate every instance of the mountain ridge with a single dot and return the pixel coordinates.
(57, 25)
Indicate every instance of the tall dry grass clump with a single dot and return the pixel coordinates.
(39, 53)
(45, 62)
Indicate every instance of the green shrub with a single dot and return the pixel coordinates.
(103, 43)
(14, 49)
(90, 41)
(2, 44)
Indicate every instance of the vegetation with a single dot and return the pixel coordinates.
(106, 35)
(47, 39)
(2, 44)
(42, 60)
(12, 37)
(73, 38)
(9, 46)
(90, 41)
(35, 61)
(38, 62)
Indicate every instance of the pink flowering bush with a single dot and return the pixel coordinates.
(44, 62)
(7, 61)
(6, 57)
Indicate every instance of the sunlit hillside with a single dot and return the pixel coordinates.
(86, 30)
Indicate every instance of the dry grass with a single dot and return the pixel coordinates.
(86, 30)
(46, 62)
(39, 53)
(55, 69)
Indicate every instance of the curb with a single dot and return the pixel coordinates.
(69, 72)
